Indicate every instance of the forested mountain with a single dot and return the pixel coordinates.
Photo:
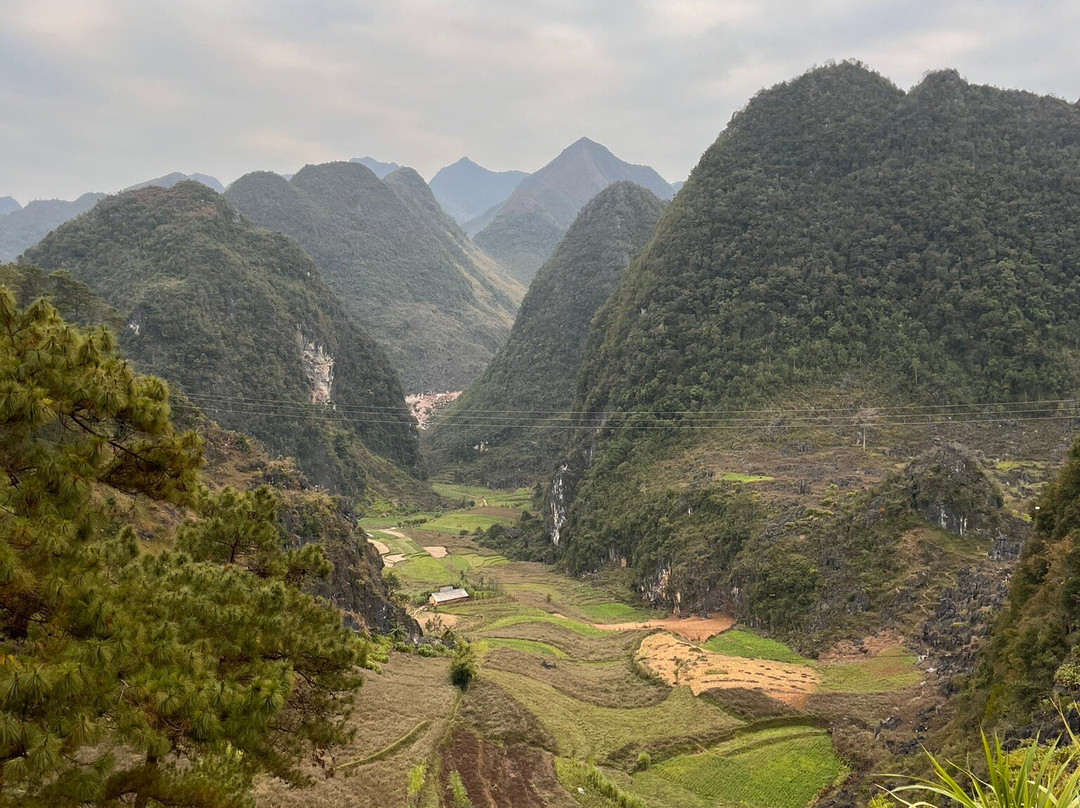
(401, 266)
(24, 228)
(523, 231)
(8, 205)
(843, 245)
(378, 168)
(466, 190)
(241, 319)
(169, 180)
(536, 370)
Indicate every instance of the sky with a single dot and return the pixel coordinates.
(96, 95)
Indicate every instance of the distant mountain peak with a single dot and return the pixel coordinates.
(524, 230)
(379, 168)
(466, 190)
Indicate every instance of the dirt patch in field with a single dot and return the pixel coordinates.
(433, 621)
(382, 548)
(436, 551)
(846, 651)
(679, 663)
(391, 560)
(396, 533)
(695, 629)
(510, 776)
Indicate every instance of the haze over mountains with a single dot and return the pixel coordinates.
(242, 320)
(27, 226)
(401, 267)
(8, 205)
(466, 190)
(378, 168)
(522, 231)
(169, 180)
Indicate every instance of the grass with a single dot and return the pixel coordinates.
(526, 646)
(584, 629)
(736, 477)
(573, 776)
(457, 521)
(613, 612)
(741, 643)
(605, 683)
(779, 768)
(426, 571)
(582, 730)
(890, 670)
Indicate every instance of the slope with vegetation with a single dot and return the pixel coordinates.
(842, 249)
(128, 675)
(523, 231)
(535, 371)
(401, 267)
(241, 320)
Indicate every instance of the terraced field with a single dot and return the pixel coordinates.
(565, 711)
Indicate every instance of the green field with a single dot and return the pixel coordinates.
(582, 730)
(779, 768)
(741, 643)
(457, 521)
(526, 646)
(736, 477)
(891, 670)
(584, 629)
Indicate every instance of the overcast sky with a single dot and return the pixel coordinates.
(100, 94)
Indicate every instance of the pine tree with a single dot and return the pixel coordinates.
(128, 677)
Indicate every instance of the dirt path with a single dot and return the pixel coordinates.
(382, 548)
(395, 533)
(429, 620)
(695, 629)
(680, 663)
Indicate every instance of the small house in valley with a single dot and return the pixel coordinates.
(447, 595)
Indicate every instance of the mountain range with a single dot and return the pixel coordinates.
(25, 227)
(400, 266)
(466, 190)
(8, 205)
(241, 320)
(169, 180)
(378, 168)
(522, 231)
(536, 371)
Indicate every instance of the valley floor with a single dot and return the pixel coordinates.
(585, 700)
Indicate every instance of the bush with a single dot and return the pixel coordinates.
(462, 665)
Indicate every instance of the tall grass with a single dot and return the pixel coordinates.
(1038, 777)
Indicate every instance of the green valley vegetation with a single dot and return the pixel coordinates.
(401, 266)
(241, 320)
(523, 231)
(510, 424)
(137, 675)
(25, 227)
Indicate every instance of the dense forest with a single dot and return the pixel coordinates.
(518, 410)
(910, 248)
(401, 267)
(241, 320)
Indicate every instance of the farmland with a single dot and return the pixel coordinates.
(571, 705)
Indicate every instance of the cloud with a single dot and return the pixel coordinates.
(99, 94)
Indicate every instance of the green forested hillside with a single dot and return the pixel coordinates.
(922, 242)
(1034, 653)
(241, 320)
(402, 268)
(843, 245)
(536, 370)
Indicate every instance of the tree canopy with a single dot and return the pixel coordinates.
(132, 677)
